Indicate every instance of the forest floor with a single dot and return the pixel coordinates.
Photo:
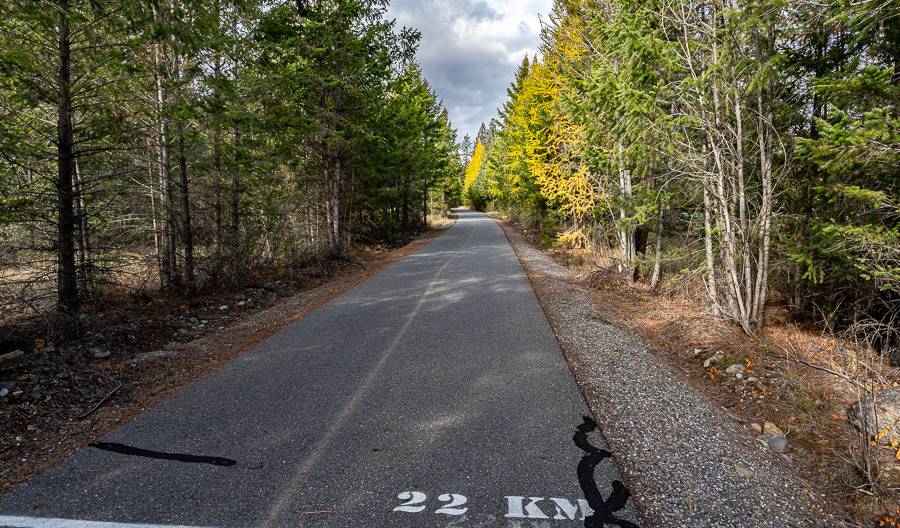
(793, 377)
(136, 351)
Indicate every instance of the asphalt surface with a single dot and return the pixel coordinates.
(438, 381)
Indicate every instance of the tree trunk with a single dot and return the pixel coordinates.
(723, 221)
(711, 287)
(425, 206)
(234, 224)
(404, 204)
(725, 189)
(67, 282)
(337, 236)
(217, 179)
(153, 212)
(187, 230)
(79, 239)
(235, 210)
(217, 200)
(764, 121)
(626, 233)
(168, 273)
(743, 215)
(83, 240)
(660, 226)
(765, 214)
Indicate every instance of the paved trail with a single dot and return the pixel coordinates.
(438, 381)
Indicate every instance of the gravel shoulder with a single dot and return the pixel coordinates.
(685, 459)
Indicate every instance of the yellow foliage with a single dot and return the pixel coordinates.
(574, 238)
(541, 145)
(474, 165)
(563, 177)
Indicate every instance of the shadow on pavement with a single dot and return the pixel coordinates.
(123, 449)
(604, 510)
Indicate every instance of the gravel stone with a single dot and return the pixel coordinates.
(686, 462)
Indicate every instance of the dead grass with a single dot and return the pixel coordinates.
(441, 221)
(807, 379)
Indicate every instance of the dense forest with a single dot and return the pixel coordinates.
(177, 145)
(751, 150)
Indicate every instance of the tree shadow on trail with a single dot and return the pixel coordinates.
(123, 449)
(604, 510)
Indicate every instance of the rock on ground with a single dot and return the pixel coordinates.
(878, 416)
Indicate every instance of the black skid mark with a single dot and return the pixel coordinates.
(604, 510)
(123, 449)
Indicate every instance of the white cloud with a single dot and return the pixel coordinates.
(470, 50)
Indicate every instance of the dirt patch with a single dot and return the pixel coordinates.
(784, 379)
(61, 397)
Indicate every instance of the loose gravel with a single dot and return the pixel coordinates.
(685, 459)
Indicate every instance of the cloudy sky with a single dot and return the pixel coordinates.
(470, 50)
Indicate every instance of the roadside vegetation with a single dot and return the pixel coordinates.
(184, 146)
(740, 159)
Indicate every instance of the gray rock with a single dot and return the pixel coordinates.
(3, 392)
(775, 443)
(734, 369)
(99, 353)
(10, 356)
(712, 360)
(878, 416)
